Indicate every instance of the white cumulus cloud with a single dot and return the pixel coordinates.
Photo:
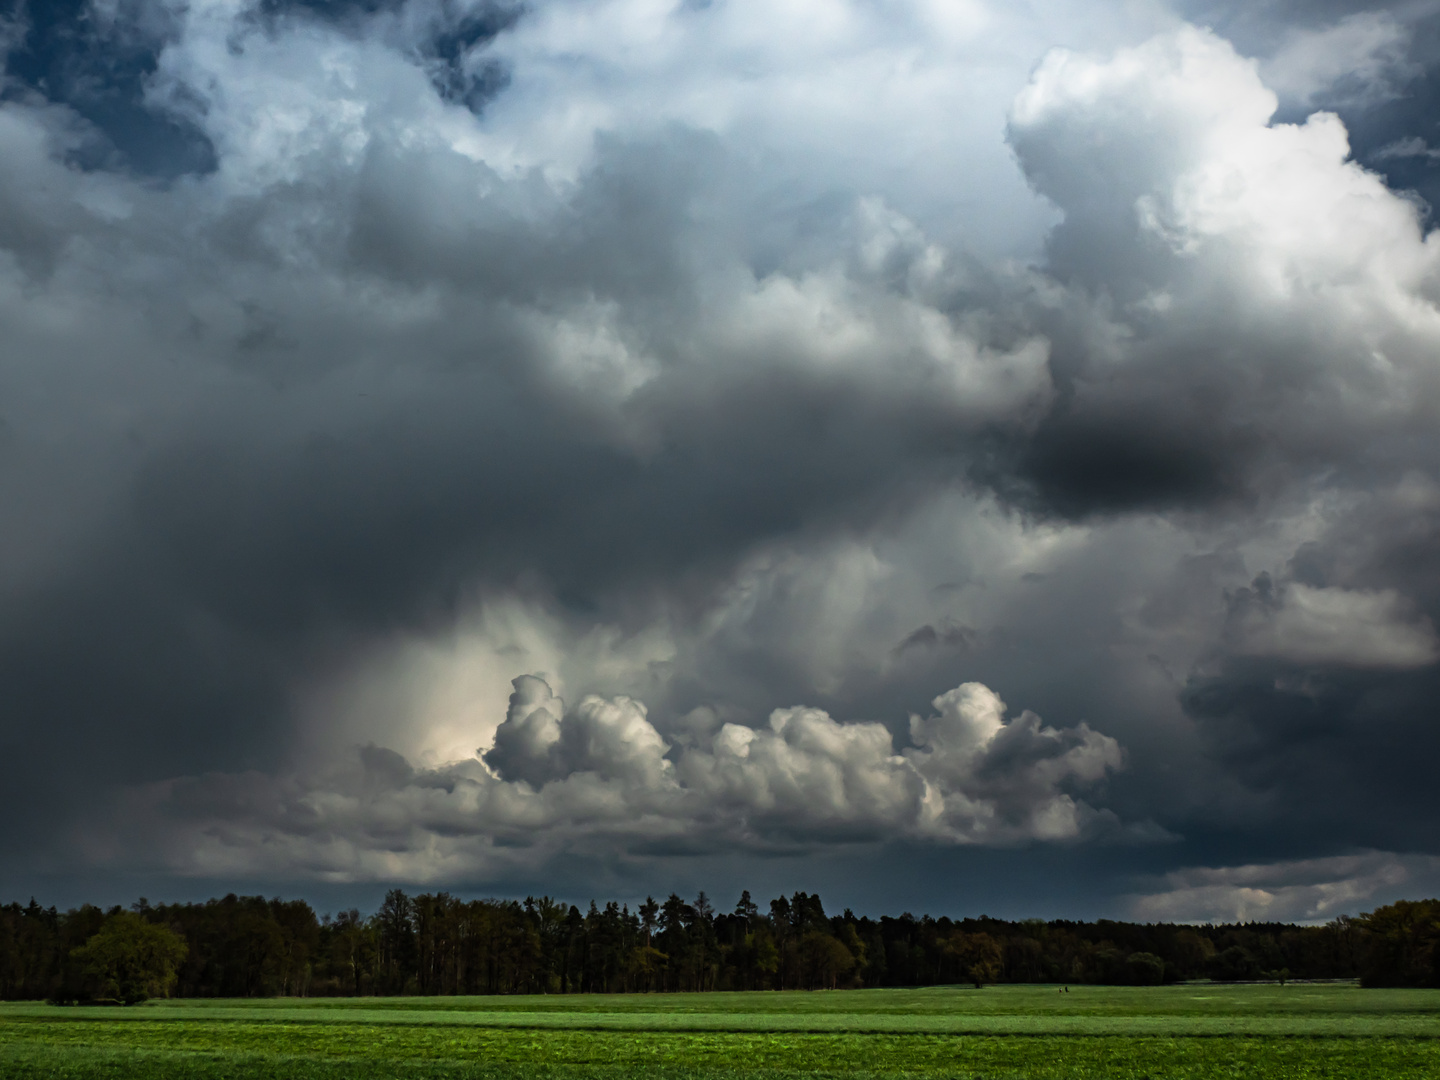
(600, 777)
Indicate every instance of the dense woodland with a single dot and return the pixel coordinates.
(248, 946)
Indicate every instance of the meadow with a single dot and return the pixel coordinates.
(1195, 1031)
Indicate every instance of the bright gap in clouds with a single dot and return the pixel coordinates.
(616, 444)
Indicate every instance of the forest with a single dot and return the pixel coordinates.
(439, 944)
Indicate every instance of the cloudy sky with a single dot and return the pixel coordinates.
(951, 455)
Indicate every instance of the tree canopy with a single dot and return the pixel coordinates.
(436, 943)
(129, 959)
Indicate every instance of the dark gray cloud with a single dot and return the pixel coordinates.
(637, 358)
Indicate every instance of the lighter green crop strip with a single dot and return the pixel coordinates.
(1414, 1026)
(1184, 999)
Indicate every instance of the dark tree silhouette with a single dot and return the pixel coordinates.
(437, 943)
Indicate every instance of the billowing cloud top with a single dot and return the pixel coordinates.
(601, 777)
(658, 366)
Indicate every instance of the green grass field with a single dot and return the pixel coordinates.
(1195, 1031)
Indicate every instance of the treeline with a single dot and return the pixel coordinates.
(435, 943)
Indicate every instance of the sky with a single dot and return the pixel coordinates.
(947, 455)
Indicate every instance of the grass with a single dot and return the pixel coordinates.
(1195, 1032)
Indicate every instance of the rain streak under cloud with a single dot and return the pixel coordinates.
(943, 454)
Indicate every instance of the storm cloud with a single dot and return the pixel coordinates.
(460, 442)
